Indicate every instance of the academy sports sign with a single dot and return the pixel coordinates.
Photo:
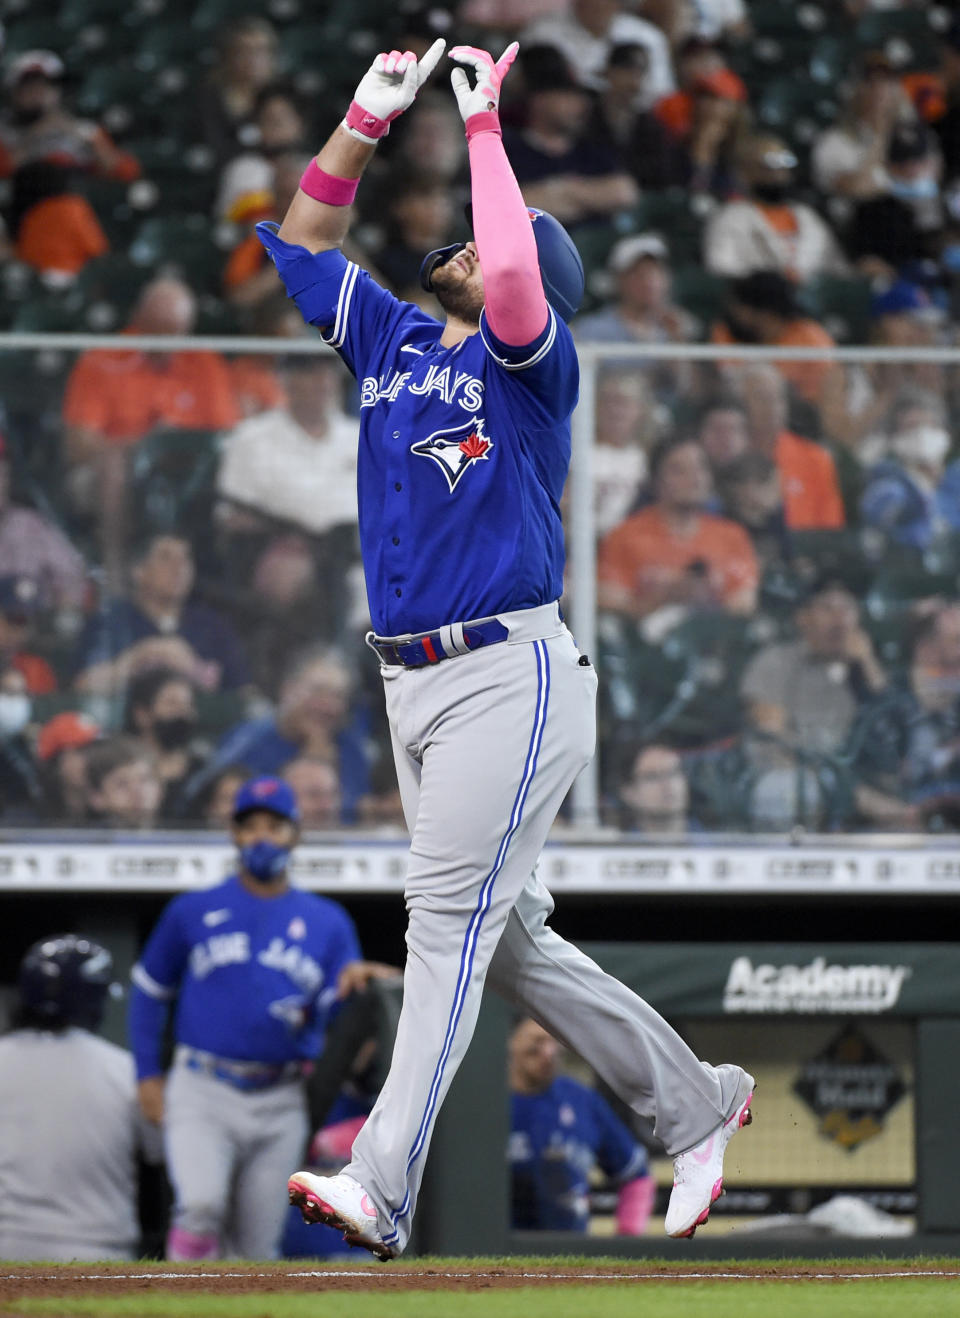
(821, 986)
(709, 980)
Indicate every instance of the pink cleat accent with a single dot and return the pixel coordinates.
(340, 1202)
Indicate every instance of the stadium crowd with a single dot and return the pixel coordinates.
(778, 544)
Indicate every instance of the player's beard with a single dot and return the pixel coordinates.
(460, 299)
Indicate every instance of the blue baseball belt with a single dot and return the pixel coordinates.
(433, 647)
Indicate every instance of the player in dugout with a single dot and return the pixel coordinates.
(464, 450)
(560, 1131)
(258, 969)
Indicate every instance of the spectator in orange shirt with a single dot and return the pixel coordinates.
(695, 58)
(673, 552)
(808, 474)
(19, 604)
(762, 308)
(249, 277)
(116, 397)
(55, 229)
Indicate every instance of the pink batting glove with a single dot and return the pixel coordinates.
(484, 96)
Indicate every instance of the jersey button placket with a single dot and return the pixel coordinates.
(395, 539)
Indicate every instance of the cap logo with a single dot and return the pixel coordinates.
(266, 788)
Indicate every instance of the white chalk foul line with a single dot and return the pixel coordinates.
(476, 1276)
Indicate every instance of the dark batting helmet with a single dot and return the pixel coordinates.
(561, 269)
(65, 980)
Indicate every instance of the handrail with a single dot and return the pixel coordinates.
(20, 341)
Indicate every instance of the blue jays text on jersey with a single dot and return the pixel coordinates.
(556, 1138)
(463, 451)
(254, 977)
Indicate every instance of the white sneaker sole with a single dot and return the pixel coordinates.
(314, 1210)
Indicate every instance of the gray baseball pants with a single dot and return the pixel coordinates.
(486, 746)
(224, 1149)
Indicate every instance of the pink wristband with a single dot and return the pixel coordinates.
(365, 124)
(484, 121)
(328, 188)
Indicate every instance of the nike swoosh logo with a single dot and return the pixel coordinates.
(703, 1158)
(408, 347)
(213, 918)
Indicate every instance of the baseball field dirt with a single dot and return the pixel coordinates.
(486, 1288)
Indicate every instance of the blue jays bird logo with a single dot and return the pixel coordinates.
(456, 449)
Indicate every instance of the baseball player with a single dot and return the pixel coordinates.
(256, 967)
(463, 452)
(559, 1131)
(71, 1134)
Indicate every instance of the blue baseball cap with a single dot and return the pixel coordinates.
(901, 296)
(267, 793)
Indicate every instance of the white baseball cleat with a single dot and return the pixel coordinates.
(340, 1202)
(698, 1173)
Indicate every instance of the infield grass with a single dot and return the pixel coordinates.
(921, 1298)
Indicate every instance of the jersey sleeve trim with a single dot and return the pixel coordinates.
(637, 1166)
(337, 334)
(147, 984)
(491, 343)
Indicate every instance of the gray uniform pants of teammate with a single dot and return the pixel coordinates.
(487, 745)
(224, 1149)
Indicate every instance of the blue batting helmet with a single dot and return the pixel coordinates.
(561, 269)
(65, 980)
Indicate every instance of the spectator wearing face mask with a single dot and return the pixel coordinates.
(162, 712)
(768, 229)
(913, 495)
(905, 223)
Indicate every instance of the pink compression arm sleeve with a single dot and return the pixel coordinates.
(634, 1206)
(513, 292)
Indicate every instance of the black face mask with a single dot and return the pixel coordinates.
(174, 733)
(25, 117)
(772, 193)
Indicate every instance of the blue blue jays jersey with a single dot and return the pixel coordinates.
(463, 451)
(556, 1139)
(254, 977)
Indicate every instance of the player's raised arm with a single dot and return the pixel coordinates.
(513, 289)
(318, 216)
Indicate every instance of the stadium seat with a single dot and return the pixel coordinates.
(173, 43)
(112, 282)
(905, 34)
(172, 479)
(671, 214)
(209, 15)
(700, 292)
(34, 33)
(841, 305)
(54, 314)
(796, 108)
(107, 85)
(179, 243)
(831, 58)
